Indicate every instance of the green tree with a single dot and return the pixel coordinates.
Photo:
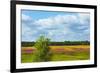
(42, 46)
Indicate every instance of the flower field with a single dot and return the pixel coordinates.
(58, 53)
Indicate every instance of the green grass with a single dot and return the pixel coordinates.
(28, 58)
(66, 57)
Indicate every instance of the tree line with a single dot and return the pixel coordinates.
(28, 44)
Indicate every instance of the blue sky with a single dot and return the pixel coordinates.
(58, 26)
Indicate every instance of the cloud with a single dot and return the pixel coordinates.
(73, 26)
(25, 17)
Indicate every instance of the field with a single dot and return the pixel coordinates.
(58, 53)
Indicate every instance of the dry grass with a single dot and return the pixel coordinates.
(71, 48)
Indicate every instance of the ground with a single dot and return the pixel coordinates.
(58, 53)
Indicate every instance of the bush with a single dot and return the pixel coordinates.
(42, 46)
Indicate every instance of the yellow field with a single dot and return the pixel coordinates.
(56, 49)
(65, 47)
(68, 47)
(71, 48)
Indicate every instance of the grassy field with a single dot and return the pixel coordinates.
(58, 53)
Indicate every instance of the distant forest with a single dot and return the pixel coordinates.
(27, 44)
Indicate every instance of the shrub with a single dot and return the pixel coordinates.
(42, 46)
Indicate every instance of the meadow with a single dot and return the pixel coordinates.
(58, 53)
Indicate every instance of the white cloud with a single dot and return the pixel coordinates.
(46, 22)
(59, 19)
(83, 18)
(59, 27)
(26, 17)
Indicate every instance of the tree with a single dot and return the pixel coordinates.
(42, 46)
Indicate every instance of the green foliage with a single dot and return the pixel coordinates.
(42, 46)
(27, 44)
(71, 43)
(30, 44)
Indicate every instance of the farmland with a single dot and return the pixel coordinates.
(58, 53)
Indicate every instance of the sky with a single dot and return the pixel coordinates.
(57, 26)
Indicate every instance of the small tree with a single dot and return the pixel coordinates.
(42, 46)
